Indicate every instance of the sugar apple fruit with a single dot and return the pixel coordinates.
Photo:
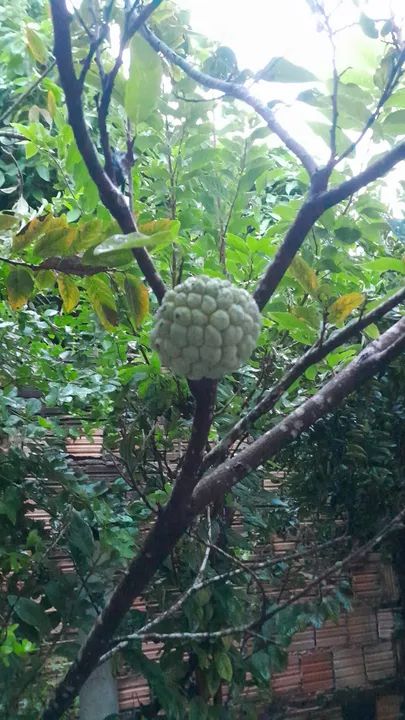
(206, 327)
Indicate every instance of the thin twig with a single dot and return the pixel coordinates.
(236, 90)
(335, 569)
(10, 110)
(390, 85)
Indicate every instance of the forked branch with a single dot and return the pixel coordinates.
(177, 516)
(314, 355)
(111, 197)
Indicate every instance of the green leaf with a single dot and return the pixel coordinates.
(234, 241)
(103, 302)
(397, 100)
(137, 298)
(222, 63)
(372, 331)
(198, 709)
(20, 285)
(165, 231)
(45, 279)
(142, 90)
(280, 69)
(30, 612)
(260, 664)
(223, 665)
(69, 292)
(386, 264)
(80, 534)
(347, 234)
(30, 150)
(368, 26)
(287, 321)
(396, 118)
(344, 306)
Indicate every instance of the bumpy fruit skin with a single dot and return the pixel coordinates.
(206, 327)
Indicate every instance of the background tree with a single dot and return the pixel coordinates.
(205, 182)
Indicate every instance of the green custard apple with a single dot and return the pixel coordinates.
(206, 327)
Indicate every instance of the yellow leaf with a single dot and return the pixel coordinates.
(56, 239)
(303, 273)
(137, 297)
(154, 226)
(343, 306)
(33, 229)
(103, 302)
(68, 291)
(19, 287)
(36, 45)
(7, 221)
(52, 235)
(51, 103)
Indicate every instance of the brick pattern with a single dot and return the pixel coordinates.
(355, 652)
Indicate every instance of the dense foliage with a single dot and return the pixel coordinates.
(213, 194)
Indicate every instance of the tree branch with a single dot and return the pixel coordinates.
(161, 539)
(113, 200)
(132, 25)
(178, 514)
(314, 355)
(311, 211)
(10, 110)
(318, 201)
(392, 80)
(334, 569)
(375, 356)
(121, 643)
(237, 91)
(68, 265)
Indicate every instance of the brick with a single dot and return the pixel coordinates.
(333, 635)
(389, 583)
(362, 626)
(366, 583)
(290, 679)
(317, 671)
(388, 707)
(385, 624)
(379, 661)
(304, 640)
(348, 665)
(85, 447)
(132, 691)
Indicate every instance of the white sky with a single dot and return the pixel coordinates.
(258, 30)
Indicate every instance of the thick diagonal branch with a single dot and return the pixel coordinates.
(113, 200)
(314, 355)
(178, 515)
(374, 357)
(237, 91)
